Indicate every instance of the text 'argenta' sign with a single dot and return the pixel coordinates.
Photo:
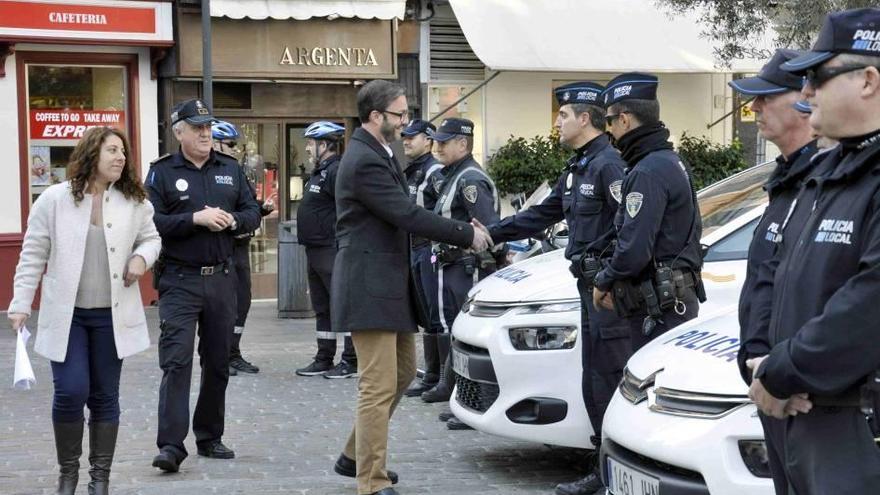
(339, 57)
(291, 49)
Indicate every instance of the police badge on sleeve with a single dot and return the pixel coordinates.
(634, 203)
(470, 194)
(615, 191)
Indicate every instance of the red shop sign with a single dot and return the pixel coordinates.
(71, 124)
(76, 17)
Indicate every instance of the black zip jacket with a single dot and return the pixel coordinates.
(316, 215)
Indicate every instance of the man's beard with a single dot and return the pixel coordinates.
(388, 131)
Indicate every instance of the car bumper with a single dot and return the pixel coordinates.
(689, 456)
(525, 395)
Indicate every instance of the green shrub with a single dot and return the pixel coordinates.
(711, 162)
(521, 165)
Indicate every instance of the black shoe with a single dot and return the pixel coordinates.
(347, 467)
(589, 485)
(342, 370)
(240, 364)
(445, 416)
(439, 393)
(386, 491)
(102, 446)
(454, 423)
(316, 368)
(418, 388)
(166, 461)
(216, 450)
(232, 371)
(68, 447)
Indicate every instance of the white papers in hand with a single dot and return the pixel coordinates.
(24, 374)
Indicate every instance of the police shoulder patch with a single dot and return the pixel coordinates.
(157, 160)
(569, 180)
(634, 203)
(470, 193)
(614, 189)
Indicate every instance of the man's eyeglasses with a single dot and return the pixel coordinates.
(400, 115)
(609, 119)
(817, 77)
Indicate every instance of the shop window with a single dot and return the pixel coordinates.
(62, 102)
(232, 96)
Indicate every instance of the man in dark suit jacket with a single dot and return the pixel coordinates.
(373, 293)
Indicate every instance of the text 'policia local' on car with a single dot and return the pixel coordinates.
(518, 357)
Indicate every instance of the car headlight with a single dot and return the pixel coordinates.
(560, 307)
(754, 455)
(543, 338)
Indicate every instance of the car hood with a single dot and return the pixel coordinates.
(698, 356)
(541, 278)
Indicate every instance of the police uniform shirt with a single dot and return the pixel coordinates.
(316, 214)
(177, 189)
(417, 172)
(823, 328)
(587, 195)
(658, 219)
(782, 187)
(473, 196)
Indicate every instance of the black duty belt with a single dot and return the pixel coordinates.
(204, 271)
(850, 398)
(342, 242)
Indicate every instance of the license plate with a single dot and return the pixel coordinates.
(460, 363)
(625, 480)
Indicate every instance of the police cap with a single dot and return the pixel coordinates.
(631, 86)
(584, 92)
(451, 128)
(855, 31)
(193, 111)
(803, 106)
(418, 126)
(772, 79)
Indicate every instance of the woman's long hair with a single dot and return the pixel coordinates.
(83, 165)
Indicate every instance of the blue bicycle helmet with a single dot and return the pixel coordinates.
(224, 131)
(324, 130)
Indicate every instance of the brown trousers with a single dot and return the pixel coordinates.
(386, 366)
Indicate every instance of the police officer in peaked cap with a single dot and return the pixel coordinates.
(417, 144)
(654, 274)
(202, 201)
(460, 190)
(587, 196)
(822, 373)
(776, 94)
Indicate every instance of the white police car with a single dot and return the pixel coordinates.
(517, 351)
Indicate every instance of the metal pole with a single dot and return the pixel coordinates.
(207, 68)
(476, 88)
(728, 114)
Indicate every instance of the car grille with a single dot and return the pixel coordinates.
(647, 462)
(476, 396)
(695, 405)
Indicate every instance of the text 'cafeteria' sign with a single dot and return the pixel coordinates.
(72, 124)
(73, 16)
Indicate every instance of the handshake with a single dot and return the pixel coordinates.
(482, 240)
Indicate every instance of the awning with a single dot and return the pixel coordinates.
(588, 36)
(306, 9)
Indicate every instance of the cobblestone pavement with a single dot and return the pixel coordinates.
(286, 431)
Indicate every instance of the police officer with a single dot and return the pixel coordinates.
(587, 196)
(201, 202)
(225, 135)
(821, 374)
(654, 273)
(461, 190)
(417, 146)
(316, 230)
(776, 95)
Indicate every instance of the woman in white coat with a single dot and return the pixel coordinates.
(94, 237)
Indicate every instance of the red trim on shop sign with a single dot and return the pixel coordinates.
(76, 17)
(58, 123)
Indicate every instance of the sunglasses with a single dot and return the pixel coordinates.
(817, 77)
(609, 119)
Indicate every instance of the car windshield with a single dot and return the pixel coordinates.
(724, 201)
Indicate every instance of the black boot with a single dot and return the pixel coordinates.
(102, 445)
(68, 447)
(443, 390)
(432, 367)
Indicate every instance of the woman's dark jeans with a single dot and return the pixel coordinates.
(90, 373)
